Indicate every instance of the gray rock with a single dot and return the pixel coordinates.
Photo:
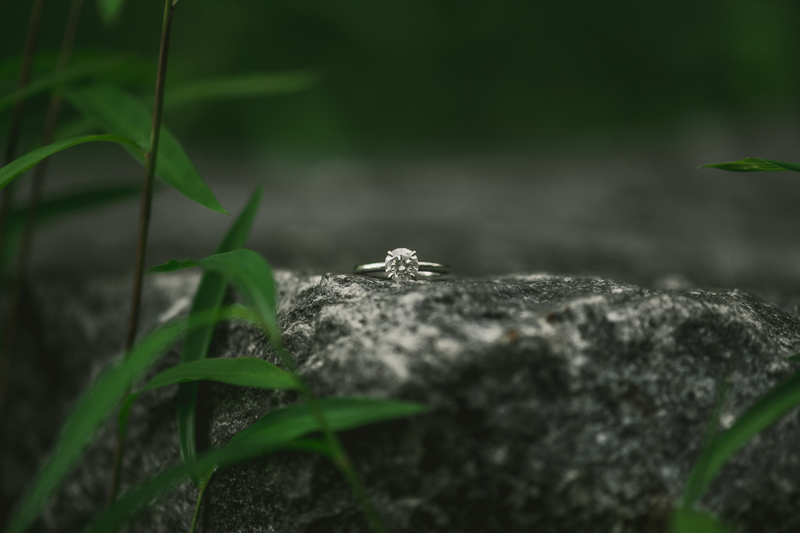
(556, 404)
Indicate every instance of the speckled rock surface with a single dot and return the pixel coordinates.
(556, 404)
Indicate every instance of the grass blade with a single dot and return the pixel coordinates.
(118, 113)
(765, 412)
(690, 521)
(56, 207)
(755, 164)
(139, 497)
(68, 74)
(110, 10)
(241, 371)
(74, 202)
(249, 86)
(208, 297)
(276, 431)
(172, 265)
(289, 423)
(695, 485)
(94, 406)
(23, 164)
(250, 274)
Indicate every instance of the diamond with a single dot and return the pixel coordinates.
(402, 264)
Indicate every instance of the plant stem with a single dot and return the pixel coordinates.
(151, 159)
(48, 132)
(7, 195)
(338, 454)
(196, 516)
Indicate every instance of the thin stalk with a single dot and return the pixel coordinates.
(151, 158)
(338, 454)
(7, 195)
(48, 132)
(196, 516)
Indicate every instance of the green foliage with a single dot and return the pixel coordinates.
(276, 431)
(68, 74)
(695, 485)
(754, 164)
(119, 114)
(249, 273)
(343, 413)
(55, 207)
(51, 209)
(236, 87)
(690, 521)
(765, 412)
(172, 265)
(110, 10)
(208, 297)
(241, 371)
(94, 406)
(23, 164)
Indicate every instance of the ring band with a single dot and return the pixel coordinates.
(402, 264)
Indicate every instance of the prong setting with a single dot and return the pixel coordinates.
(402, 264)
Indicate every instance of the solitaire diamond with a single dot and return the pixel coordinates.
(402, 264)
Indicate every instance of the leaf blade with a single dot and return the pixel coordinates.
(26, 162)
(54, 207)
(341, 413)
(68, 74)
(250, 274)
(755, 164)
(762, 414)
(209, 296)
(118, 113)
(240, 371)
(172, 265)
(93, 407)
(690, 521)
(248, 86)
(249, 445)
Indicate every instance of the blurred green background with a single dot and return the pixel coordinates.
(447, 75)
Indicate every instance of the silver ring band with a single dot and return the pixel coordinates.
(426, 269)
(402, 264)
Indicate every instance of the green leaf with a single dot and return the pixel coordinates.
(342, 413)
(68, 74)
(250, 274)
(31, 159)
(208, 297)
(124, 413)
(755, 164)
(172, 265)
(765, 412)
(110, 10)
(133, 501)
(73, 202)
(118, 113)
(241, 87)
(94, 406)
(795, 358)
(240, 313)
(695, 485)
(689, 521)
(241, 371)
(53, 208)
(277, 430)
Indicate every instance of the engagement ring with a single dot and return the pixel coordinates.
(401, 265)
